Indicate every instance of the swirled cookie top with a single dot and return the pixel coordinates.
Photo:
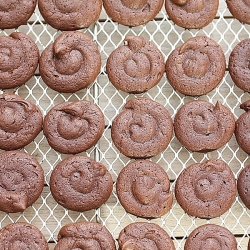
(20, 122)
(70, 14)
(200, 126)
(73, 127)
(240, 9)
(141, 235)
(135, 67)
(22, 235)
(14, 13)
(212, 236)
(206, 190)
(71, 63)
(85, 235)
(80, 184)
(192, 14)
(18, 60)
(196, 67)
(21, 181)
(142, 129)
(143, 189)
(132, 13)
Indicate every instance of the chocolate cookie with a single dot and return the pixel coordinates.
(143, 128)
(21, 181)
(243, 186)
(70, 15)
(135, 67)
(18, 61)
(22, 235)
(143, 189)
(239, 65)
(242, 128)
(211, 236)
(71, 63)
(15, 13)
(196, 67)
(192, 14)
(144, 236)
(240, 9)
(206, 190)
(202, 127)
(20, 122)
(73, 127)
(79, 183)
(85, 235)
(132, 13)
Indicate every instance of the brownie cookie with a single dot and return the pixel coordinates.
(239, 67)
(211, 236)
(84, 235)
(143, 189)
(144, 236)
(143, 128)
(73, 127)
(240, 9)
(206, 190)
(70, 15)
(22, 235)
(243, 186)
(132, 12)
(21, 181)
(18, 60)
(20, 122)
(202, 127)
(79, 183)
(242, 128)
(14, 13)
(135, 67)
(196, 67)
(192, 14)
(71, 63)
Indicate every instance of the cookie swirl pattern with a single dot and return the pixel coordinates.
(20, 122)
(73, 127)
(22, 235)
(242, 128)
(239, 67)
(21, 181)
(142, 235)
(142, 129)
(79, 183)
(18, 60)
(70, 14)
(132, 12)
(200, 126)
(85, 235)
(71, 63)
(211, 237)
(243, 186)
(14, 13)
(240, 10)
(196, 67)
(192, 14)
(206, 190)
(135, 67)
(143, 189)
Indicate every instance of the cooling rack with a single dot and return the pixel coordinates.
(46, 214)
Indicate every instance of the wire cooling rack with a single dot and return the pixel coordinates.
(46, 214)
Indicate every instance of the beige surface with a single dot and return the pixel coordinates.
(49, 216)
